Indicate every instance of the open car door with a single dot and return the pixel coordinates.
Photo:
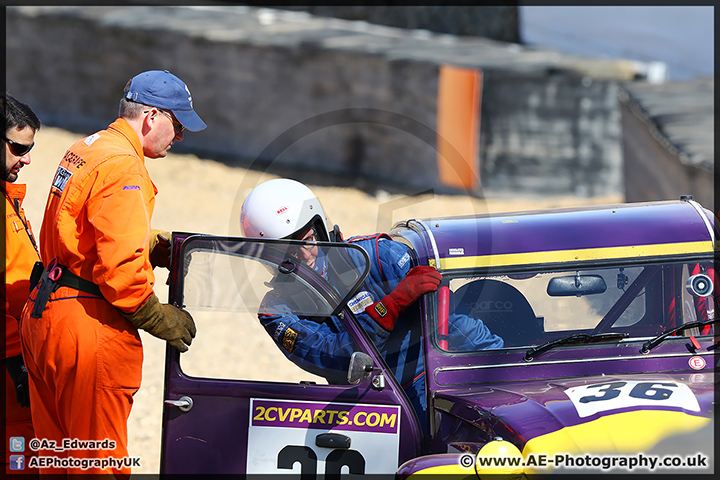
(234, 404)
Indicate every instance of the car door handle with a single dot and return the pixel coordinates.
(183, 403)
(332, 440)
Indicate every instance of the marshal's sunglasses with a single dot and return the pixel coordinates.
(179, 128)
(18, 149)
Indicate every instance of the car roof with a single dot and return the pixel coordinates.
(649, 229)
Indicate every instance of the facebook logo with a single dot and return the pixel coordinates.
(17, 444)
(17, 462)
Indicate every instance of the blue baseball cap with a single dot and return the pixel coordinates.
(162, 89)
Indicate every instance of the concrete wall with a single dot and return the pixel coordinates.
(547, 133)
(668, 142)
(499, 22)
(357, 100)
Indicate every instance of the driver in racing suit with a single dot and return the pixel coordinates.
(284, 208)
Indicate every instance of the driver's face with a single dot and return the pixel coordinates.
(307, 253)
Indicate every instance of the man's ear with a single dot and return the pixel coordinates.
(149, 120)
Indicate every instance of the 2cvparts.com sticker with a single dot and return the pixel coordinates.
(284, 437)
(601, 397)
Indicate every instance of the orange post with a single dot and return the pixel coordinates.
(458, 122)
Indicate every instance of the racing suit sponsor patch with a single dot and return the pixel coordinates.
(380, 309)
(403, 260)
(288, 339)
(278, 331)
(62, 175)
(360, 302)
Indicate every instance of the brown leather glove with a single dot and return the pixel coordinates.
(164, 321)
(159, 247)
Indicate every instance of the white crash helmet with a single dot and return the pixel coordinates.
(282, 208)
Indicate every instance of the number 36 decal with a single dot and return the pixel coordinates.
(591, 399)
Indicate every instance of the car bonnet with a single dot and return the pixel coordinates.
(573, 416)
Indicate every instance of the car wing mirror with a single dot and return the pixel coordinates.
(576, 285)
(361, 366)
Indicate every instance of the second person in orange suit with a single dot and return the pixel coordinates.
(80, 327)
(21, 253)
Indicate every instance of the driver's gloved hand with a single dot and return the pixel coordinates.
(418, 281)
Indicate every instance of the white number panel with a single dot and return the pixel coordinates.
(283, 437)
(591, 399)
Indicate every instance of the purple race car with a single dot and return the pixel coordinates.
(607, 316)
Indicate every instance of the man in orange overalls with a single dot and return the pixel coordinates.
(79, 329)
(21, 253)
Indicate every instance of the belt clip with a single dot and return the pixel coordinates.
(54, 270)
(47, 285)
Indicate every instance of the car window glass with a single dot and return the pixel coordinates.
(531, 308)
(224, 286)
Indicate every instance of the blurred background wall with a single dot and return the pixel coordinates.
(498, 22)
(293, 91)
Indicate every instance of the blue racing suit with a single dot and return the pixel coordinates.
(322, 346)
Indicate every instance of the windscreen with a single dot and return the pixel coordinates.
(534, 307)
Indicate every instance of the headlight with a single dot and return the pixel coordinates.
(499, 460)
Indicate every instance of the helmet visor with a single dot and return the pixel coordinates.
(317, 224)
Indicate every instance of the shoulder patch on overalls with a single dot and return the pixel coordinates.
(288, 339)
(61, 178)
(91, 139)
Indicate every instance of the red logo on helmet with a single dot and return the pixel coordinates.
(281, 210)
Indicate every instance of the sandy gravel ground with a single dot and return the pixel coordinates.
(203, 196)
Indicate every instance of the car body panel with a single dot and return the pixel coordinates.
(565, 235)
(231, 421)
(540, 408)
(604, 397)
(497, 388)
